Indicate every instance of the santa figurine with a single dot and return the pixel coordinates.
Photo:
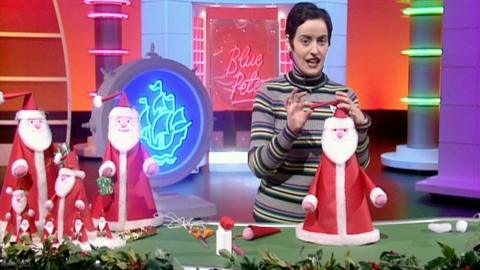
(49, 232)
(127, 163)
(33, 155)
(20, 218)
(337, 202)
(103, 229)
(70, 197)
(79, 231)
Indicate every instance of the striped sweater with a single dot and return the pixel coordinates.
(286, 162)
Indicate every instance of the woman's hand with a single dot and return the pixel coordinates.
(298, 111)
(344, 102)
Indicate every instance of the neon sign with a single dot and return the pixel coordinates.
(164, 127)
(175, 112)
(238, 61)
(234, 79)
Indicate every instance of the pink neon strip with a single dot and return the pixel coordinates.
(95, 15)
(114, 2)
(108, 52)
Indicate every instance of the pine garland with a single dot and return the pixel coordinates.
(389, 260)
(69, 256)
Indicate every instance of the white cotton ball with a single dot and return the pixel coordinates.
(97, 101)
(461, 226)
(440, 227)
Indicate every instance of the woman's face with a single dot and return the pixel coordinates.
(310, 46)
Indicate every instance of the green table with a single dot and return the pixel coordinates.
(410, 237)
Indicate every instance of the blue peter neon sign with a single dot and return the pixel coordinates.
(175, 114)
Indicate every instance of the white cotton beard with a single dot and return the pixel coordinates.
(78, 225)
(102, 223)
(64, 186)
(123, 141)
(339, 150)
(19, 206)
(49, 227)
(24, 225)
(35, 139)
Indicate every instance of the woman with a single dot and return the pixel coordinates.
(286, 133)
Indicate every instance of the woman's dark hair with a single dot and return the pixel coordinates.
(302, 12)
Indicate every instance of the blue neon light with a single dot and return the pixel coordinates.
(171, 116)
(164, 127)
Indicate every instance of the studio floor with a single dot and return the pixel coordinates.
(233, 190)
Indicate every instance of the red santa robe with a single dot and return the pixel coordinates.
(65, 208)
(41, 169)
(14, 223)
(342, 216)
(131, 205)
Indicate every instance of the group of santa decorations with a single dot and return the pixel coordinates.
(43, 194)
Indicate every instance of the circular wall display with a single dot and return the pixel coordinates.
(175, 114)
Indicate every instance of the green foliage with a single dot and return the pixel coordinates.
(69, 256)
(388, 260)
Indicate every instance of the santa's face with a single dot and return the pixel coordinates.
(24, 225)
(101, 223)
(123, 132)
(78, 225)
(35, 133)
(19, 201)
(65, 182)
(49, 227)
(339, 139)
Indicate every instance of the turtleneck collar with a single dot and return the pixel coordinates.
(298, 79)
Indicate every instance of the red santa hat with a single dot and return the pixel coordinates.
(29, 108)
(23, 186)
(253, 232)
(339, 112)
(123, 108)
(77, 215)
(49, 216)
(71, 165)
(99, 100)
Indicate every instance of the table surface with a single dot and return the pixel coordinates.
(409, 237)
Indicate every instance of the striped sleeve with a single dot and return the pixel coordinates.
(362, 152)
(268, 149)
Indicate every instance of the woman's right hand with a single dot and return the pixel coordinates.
(298, 111)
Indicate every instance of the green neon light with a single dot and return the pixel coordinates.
(422, 52)
(421, 101)
(412, 11)
(164, 125)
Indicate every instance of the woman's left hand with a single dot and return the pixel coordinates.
(344, 102)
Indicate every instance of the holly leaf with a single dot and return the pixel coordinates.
(273, 259)
(437, 263)
(6, 238)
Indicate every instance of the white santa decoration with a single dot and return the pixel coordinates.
(70, 197)
(103, 229)
(33, 155)
(337, 204)
(49, 231)
(131, 205)
(20, 218)
(79, 229)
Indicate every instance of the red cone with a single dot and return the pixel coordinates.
(253, 232)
